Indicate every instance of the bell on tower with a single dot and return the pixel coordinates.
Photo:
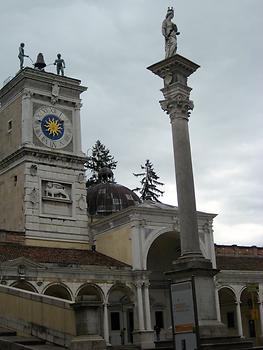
(40, 63)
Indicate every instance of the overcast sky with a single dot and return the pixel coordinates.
(109, 43)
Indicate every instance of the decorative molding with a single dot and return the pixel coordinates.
(78, 105)
(41, 155)
(34, 196)
(33, 170)
(82, 202)
(55, 93)
(81, 177)
(27, 93)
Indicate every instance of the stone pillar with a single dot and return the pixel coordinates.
(106, 324)
(261, 317)
(177, 104)
(26, 127)
(140, 306)
(239, 319)
(77, 129)
(143, 336)
(147, 307)
(137, 263)
(218, 312)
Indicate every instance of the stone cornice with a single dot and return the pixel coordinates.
(38, 155)
(139, 213)
(173, 64)
(33, 74)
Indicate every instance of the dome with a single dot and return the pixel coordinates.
(108, 198)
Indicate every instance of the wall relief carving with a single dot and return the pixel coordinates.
(55, 190)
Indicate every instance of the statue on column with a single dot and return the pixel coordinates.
(21, 55)
(60, 63)
(169, 31)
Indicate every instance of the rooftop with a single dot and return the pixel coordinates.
(239, 257)
(11, 251)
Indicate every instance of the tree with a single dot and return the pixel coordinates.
(100, 158)
(149, 183)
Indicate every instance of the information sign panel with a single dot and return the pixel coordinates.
(183, 312)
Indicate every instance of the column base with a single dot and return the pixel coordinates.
(201, 269)
(89, 342)
(144, 339)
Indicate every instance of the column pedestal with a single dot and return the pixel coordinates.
(144, 339)
(203, 273)
(87, 324)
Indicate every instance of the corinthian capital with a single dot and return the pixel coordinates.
(178, 107)
(27, 94)
(78, 105)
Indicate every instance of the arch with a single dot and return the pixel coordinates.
(227, 301)
(58, 290)
(162, 252)
(90, 289)
(250, 312)
(121, 314)
(151, 240)
(120, 288)
(230, 288)
(24, 285)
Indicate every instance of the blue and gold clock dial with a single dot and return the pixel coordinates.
(52, 127)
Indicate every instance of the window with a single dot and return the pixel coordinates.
(115, 321)
(230, 319)
(129, 197)
(159, 319)
(9, 126)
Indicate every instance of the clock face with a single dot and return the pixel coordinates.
(52, 127)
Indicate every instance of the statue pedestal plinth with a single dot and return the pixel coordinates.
(144, 339)
(203, 273)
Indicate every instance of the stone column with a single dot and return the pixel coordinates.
(106, 324)
(239, 319)
(143, 337)
(177, 104)
(218, 312)
(27, 118)
(140, 306)
(147, 307)
(136, 225)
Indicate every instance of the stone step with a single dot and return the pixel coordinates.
(10, 341)
(124, 347)
(164, 344)
(22, 340)
(43, 347)
(227, 345)
(6, 332)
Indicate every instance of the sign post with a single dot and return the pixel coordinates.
(184, 315)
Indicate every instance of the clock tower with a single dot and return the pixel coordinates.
(42, 182)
